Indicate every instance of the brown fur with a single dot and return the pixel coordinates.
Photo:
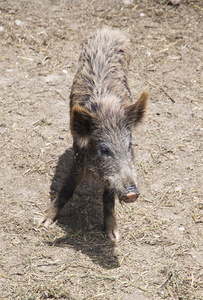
(103, 68)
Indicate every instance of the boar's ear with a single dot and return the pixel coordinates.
(135, 112)
(81, 122)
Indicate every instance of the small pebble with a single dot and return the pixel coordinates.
(178, 188)
(148, 53)
(174, 2)
(127, 2)
(181, 228)
(1, 29)
(18, 23)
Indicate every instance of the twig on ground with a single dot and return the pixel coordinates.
(167, 279)
(167, 94)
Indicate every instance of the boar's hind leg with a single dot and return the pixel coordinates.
(66, 192)
(109, 214)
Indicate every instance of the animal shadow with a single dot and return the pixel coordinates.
(82, 217)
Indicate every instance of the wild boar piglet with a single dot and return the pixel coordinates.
(102, 115)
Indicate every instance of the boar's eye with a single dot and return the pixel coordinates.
(104, 152)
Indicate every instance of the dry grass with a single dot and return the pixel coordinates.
(159, 255)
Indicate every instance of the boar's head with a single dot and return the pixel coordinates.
(103, 129)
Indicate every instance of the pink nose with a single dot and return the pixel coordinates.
(131, 197)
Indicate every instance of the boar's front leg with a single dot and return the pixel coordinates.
(66, 192)
(109, 214)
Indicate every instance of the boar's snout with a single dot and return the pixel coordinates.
(132, 194)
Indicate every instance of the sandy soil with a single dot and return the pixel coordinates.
(160, 252)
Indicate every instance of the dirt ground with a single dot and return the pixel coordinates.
(160, 251)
